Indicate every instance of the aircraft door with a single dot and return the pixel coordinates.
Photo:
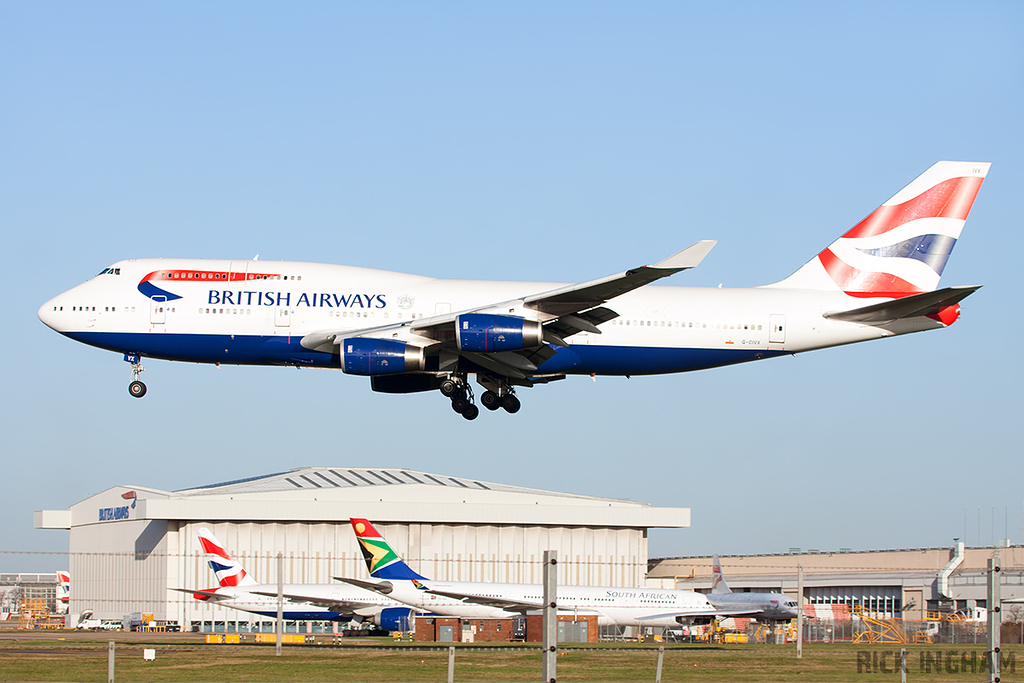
(238, 271)
(283, 318)
(777, 329)
(158, 310)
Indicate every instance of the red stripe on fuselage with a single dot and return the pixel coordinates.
(951, 198)
(205, 275)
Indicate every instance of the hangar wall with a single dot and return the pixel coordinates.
(132, 546)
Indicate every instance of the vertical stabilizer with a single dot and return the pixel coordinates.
(381, 560)
(718, 584)
(228, 571)
(901, 248)
(63, 592)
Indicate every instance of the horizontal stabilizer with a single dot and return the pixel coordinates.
(928, 303)
(214, 595)
(382, 587)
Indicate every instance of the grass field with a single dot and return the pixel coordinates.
(185, 658)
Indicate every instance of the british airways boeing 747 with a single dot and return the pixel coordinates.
(410, 333)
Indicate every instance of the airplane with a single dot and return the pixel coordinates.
(613, 605)
(337, 601)
(410, 333)
(765, 606)
(63, 592)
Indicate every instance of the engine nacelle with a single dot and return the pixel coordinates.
(394, 618)
(363, 356)
(486, 333)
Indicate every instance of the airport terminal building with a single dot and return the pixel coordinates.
(908, 583)
(130, 546)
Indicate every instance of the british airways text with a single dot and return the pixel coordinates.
(312, 300)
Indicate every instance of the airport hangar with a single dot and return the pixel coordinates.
(130, 544)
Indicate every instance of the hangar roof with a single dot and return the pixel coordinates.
(312, 478)
(333, 494)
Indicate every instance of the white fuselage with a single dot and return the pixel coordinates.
(350, 601)
(257, 312)
(613, 606)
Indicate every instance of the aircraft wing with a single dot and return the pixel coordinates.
(928, 303)
(499, 603)
(580, 297)
(564, 311)
(333, 604)
(685, 614)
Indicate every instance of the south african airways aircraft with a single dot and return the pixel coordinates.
(620, 606)
(410, 333)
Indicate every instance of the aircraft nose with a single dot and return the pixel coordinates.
(49, 313)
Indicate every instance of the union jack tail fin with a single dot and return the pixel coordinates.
(900, 249)
(718, 584)
(381, 559)
(63, 592)
(228, 571)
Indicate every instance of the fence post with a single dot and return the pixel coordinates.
(995, 618)
(903, 665)
(280, 603)
(661, 660)
(549, 633)
(451, 663)
(800, 611)
(110, 662)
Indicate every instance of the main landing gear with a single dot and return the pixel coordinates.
(458, 390)
(136, 388)
(498, 394)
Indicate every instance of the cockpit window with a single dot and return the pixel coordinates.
(109, 271)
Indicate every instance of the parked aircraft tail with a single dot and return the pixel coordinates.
(228, 571)
(63, 592)
(381, 559)
(718, 584)
(901, 248)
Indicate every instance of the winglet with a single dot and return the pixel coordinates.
(689, 257)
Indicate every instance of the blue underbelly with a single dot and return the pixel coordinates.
(283, 350)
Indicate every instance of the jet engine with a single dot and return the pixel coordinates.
(487, 333)
(364, 356)
(394, 618)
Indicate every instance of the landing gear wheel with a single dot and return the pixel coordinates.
(490, 400)
(470, 412)
(137, 389)
(449, 387)
(510, 403)
(459, 404)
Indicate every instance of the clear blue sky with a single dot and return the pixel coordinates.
(534, 141)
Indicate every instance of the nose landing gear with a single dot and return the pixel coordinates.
(136, 388)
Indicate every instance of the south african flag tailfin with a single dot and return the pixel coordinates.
(381, 560)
